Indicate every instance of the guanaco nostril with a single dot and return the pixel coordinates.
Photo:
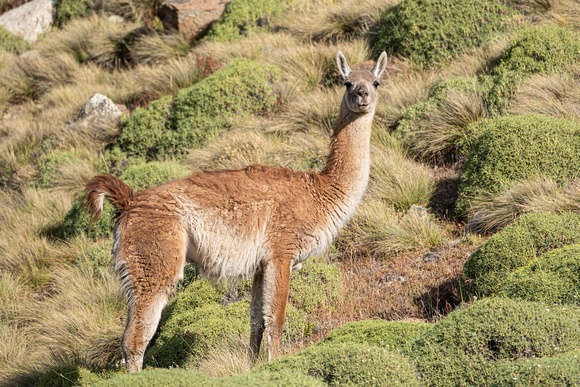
(363, 93)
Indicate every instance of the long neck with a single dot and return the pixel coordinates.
(348, 164)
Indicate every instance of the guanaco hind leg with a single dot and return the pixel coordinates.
(257, 314)
(151, 266)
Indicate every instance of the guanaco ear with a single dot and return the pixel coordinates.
(343, 66)
(381, 65)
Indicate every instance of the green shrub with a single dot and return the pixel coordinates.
(506, 150)
(243, 17)
(77, 219)
(559, 370)
(515, 246)
(348, 364)
(49, 164)
(167, 129)
(97, 255)
(433, 31)
(180, 377)
(72, 9)
(316, 286)
(468, 346)
(535, 50)
(12, 43)
(380, 333)
(74, 375)
(552, 278)
(187, 332)
(145, 128)
(151, 174)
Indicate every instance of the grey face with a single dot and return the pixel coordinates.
(361, 85)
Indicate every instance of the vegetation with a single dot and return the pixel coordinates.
(515, 246)
(468, 346)
(551, 278)
(480, 101)
(535, 50)
(434, 31)
(242, 17)
(11, 42)
(348, 363)
(506, 150)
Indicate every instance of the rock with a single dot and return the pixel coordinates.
(417, 212)
(475, 224)
(431, 257)
(190, 17)
(30, 19)
(393, 277)
(117, 18)
(99, 108)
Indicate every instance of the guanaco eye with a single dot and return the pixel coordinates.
(348, 84)
(376, 84)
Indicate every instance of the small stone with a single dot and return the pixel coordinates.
(431, 257)
(190, 17)
(475, 224)
(393, 277)
(117, 18)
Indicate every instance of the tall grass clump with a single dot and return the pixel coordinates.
(434, 31)
(494, 212)
(467, 347)
(535, 50)
(432, 130)
(515, 246)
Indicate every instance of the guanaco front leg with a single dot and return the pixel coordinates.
(275, 289)
(257, 314)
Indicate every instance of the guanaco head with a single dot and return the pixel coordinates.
(361, 85)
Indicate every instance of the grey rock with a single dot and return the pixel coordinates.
(475, 224)
(393, 277)
(30, 19)
(99, 107)
(431, 257)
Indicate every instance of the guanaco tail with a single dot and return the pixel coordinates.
(260, 221)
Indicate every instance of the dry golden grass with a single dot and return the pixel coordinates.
(542, 195)
(340, 21)
(155, 48)
(553, 95)
(229, 358)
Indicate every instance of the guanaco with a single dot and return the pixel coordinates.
(260, 221)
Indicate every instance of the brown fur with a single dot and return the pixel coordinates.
(259, 221)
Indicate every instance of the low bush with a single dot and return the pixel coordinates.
(317, 286)
(468, 346)
(180, 377)
(74, 375)
(506, 150)
(77, 219)
(49, 164)
(72, 9)
(380, 333)
(194, 323)
(145, 128)
(433, 31)
(559, 370)
(348, 364)
(535, 50)
(242, 17)
(12, 43)
(166, 129)
(552, 278)
(515, 246)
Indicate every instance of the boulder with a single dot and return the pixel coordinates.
(30, 19)
(191, 17)
(99, 108)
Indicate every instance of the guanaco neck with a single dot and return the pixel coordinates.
(348, 165)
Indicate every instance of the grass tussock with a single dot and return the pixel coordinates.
(542, 195)
(553, 95)
(155, 48)
(229, 358)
